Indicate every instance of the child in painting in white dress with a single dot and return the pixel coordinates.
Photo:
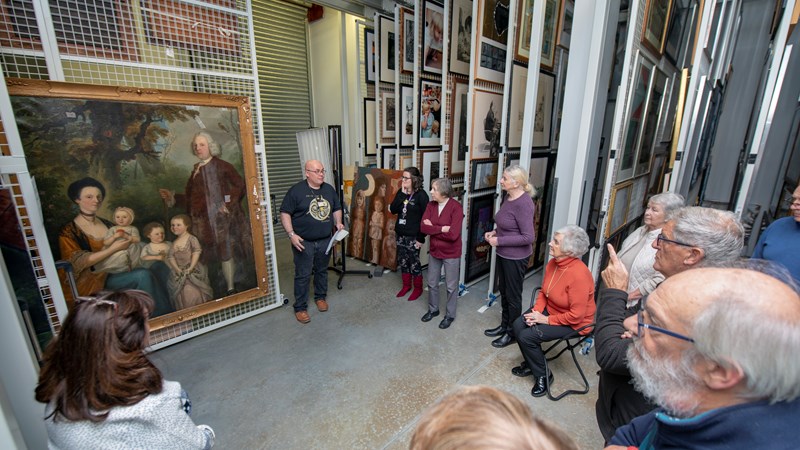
(123, 260)
(188, 285)
(158, 248)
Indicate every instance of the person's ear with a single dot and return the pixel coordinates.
(719, 377)
(694, 257)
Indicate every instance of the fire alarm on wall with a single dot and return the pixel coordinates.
(315, 12)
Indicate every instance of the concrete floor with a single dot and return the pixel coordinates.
(358, 376)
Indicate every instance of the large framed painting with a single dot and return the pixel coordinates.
(141, 152)
(486, 115)
(492, 40)
(407, 115)
(654, 30)
(407, 47)
(388, 116)
(635, 115)
(388, 60)
(430, 113)
(433, 42)
(370, 128)
(565, 22)
(430, 166)
(651, 119)
(549, 34)
(461, 36)
(458, 137)
(481, 220)
(369, 54)
(618, 208)
(372, 235)
(484, 175)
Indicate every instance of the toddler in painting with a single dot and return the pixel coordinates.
(188, 285)
(158, 248)
(123, 260)
(426, 121)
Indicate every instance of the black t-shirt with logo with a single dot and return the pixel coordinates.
(311, 210)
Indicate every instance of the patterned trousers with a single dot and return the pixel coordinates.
(408, 255)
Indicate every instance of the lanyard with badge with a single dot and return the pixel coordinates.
(402, 219)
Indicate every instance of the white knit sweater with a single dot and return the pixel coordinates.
(641, 273)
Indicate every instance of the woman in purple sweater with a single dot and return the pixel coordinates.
(513, 237)
(442, 222)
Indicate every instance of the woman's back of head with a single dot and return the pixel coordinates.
(97, 361)
(482, 417)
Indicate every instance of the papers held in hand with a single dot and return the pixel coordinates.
(338, 236)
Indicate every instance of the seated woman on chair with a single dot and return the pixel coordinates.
(565, 303)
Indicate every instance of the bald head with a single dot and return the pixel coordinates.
(315, 173)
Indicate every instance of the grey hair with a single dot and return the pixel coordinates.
(671, 203)
(213, 147)
(575, 241)
(719, 337)
(444, 186)
(719, 233)
(520, 176)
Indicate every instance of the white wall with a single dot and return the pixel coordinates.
(324, 42)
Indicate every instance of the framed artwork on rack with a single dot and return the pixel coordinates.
(461, 36)
(484, 175)
(676, 129)
(492, 40)
(372, 236)
(430, 166)
(550, 33)
(651, 119)
(519, 86)
(404, 161)
(620, 40)
(407, 115)
(524, 26)
(638, 198)
(679, 25)
(369, 54)
(458, 133)
(635, 115)
(407, 47)
(565, 22)
(430, 113)
(656, 174)
(388, 50)
(433, 42)
(370, 128)
(654, 30)
(388, 116)
(542, 121)
(481, 220)
(618, 208)
(485, 139)
(101, 138)
(561, 83)
(389, 157)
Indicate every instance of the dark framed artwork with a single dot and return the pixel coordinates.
(481, 220)
(565, 18)
(652, 118)
(540, 176)
(492, 40)
(406, 115)
(635, 115)
(388, 116)
(139, 144)
(486, 115)
(407, 47)
(561, 83)
(677, 32)
(620, 40)
(461, 36)
(433, 41)
(654, 30)
(458, 133)
(370, 128)
(369, 54)
(618, 208)
(484, 175)
(656, 175)
(372, 235)
(551, 8)
(388, 50)
(389, 158)
(430, 113)
(431, 160)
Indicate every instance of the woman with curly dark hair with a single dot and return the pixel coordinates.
(101, 389)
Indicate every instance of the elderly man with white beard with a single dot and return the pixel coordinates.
(716, 350)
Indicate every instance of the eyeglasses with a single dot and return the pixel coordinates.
(663, 238)
(406, 178)
(642, 325)
(318, 172)
(791, 201)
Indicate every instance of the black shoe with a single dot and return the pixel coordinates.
(503, 341)
(429, 315)
(540, 388)
(445, 323)
(496, 331)
(522, 370)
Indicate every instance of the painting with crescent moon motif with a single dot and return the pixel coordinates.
(372, 235)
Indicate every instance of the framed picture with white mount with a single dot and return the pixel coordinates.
(433, 41)
(406, 121)
(369, 54)
(485, 141)
(458, 129)
(430, 112)
(407, 47)
(492, 40)
(565, 22)
(388, 116)
(370, 128)
(388, 50)
(460, 36)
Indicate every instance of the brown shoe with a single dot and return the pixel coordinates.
(302, 316)
(322, 305)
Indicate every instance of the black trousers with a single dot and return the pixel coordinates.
(511, 273)
(530, 341)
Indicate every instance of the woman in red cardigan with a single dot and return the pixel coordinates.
(565, 303)
(442, 222)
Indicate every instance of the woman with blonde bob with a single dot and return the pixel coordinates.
(483, 417)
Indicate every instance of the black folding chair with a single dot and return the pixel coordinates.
(572, 342)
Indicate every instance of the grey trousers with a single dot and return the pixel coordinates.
(452, 267)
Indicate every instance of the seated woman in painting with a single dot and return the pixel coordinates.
(188, 285)
(81, 244)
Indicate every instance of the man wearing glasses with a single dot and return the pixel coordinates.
(310, 212)
(715, 350)
(695, 237)
(780, 242)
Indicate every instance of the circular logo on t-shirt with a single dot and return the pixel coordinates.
(319, 209)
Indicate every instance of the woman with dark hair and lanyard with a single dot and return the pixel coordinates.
(409, 203)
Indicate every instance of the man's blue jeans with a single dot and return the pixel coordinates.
(312, 260)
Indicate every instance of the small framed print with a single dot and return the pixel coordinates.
(407, 47)
(388, 51)
(565, 22)
(484, 175)
(430, 166)
(524, 27)
(654, 31)
(461, 37)
(519, 86)
(369, 54)
(486, 116)
(458, 137)
(389, 116)
(618, 208)
(492, 40)
(430, 113)
(370, 128)
(389, 157)
(406, 115)
(544, 110)
(550, 33)
(433, 42)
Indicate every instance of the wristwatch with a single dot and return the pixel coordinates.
(291, 234)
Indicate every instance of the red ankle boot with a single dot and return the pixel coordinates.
(417, 288)
(406, 285)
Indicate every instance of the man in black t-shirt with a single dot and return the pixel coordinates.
(309, 213)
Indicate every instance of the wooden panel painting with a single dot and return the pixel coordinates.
(372, 235)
